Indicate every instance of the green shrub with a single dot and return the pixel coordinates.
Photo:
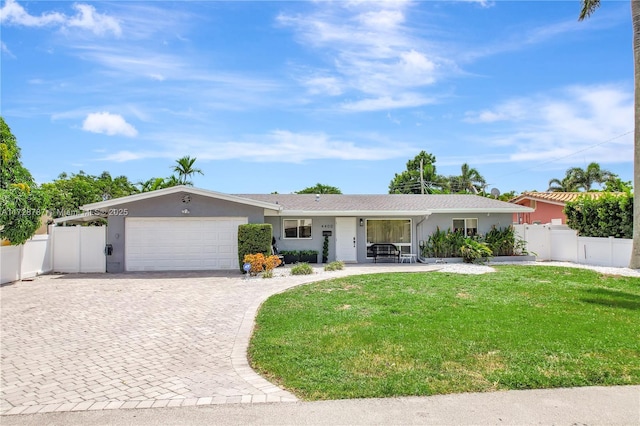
(501, 242)
(608, 216)
(252, 239)
(443, 244)
(474, 251)
(301, 268)
(334, 266)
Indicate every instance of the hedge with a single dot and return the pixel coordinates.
(608, 216)
(254, 238)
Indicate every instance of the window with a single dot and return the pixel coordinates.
(297, 228)
(468, 227)
(394, 231)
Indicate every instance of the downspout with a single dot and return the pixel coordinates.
(426, 216)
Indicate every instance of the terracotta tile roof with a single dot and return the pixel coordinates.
(559, 197)
(419, 204)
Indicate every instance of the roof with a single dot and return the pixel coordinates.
(385, 204)
(80, 218)
(178, 189)
(338, 204)
(560, 198)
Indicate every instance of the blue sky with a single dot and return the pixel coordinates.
(278, 96)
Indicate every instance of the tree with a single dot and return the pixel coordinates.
(21, 202)
(615, 184)
(156, 183)
(566, 184)
(469, 181)
(588, 7)
(184, 168)
(577, 179)
(585, 178)
(319, 188)
(412, 181)
(68, 193)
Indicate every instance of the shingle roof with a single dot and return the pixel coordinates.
(386, 203)
(560, 197)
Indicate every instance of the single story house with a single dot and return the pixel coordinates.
(547, 206)
(187, 228)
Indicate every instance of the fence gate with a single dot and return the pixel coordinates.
(79, 249)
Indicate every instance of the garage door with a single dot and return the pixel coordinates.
(174, 244)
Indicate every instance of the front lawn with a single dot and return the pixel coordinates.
(395, 334)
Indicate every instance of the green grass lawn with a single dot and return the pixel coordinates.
(394, 334)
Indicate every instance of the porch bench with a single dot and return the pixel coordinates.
(388, 251)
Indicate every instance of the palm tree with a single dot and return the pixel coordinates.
(588, 7)
(470, 180)
(154, 184)
(585, 178)
(184, 168)
(567, 184)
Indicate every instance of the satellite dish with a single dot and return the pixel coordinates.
(495, 192)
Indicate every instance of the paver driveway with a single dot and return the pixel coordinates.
(107, 341)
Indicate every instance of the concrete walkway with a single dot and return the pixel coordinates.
(576, 406)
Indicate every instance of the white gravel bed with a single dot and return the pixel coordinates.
(466, 268)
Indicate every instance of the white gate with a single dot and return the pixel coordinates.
(79, 249)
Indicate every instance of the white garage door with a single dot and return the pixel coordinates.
(174, 244)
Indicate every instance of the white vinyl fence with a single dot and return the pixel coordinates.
(559, 242)
(65, 249)
(27, 260)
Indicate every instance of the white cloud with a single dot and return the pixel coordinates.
(584, 121)
(5, 49)
(86, 17)
(404, 100)
(370, 49)
(300, 147)
(319, 85)
(13, 13)
(107, 123)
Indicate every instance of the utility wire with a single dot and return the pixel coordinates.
(568, 155)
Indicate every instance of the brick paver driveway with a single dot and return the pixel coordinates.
(107, 341)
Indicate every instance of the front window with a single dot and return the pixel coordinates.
(394, 231)
(297, 228)
(468, 227)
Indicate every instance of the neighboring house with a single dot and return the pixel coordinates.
(186, 228)
(547, 205)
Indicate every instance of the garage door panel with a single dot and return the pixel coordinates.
(155, 244)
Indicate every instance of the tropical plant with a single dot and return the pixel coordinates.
(588, 7)
(156, 183)
(566, 184)
(443, 244)
(474, 251)
(319, 188)
(184, 168)
(501, 242)
(577, 179)
(469, 181)
(415, 180)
